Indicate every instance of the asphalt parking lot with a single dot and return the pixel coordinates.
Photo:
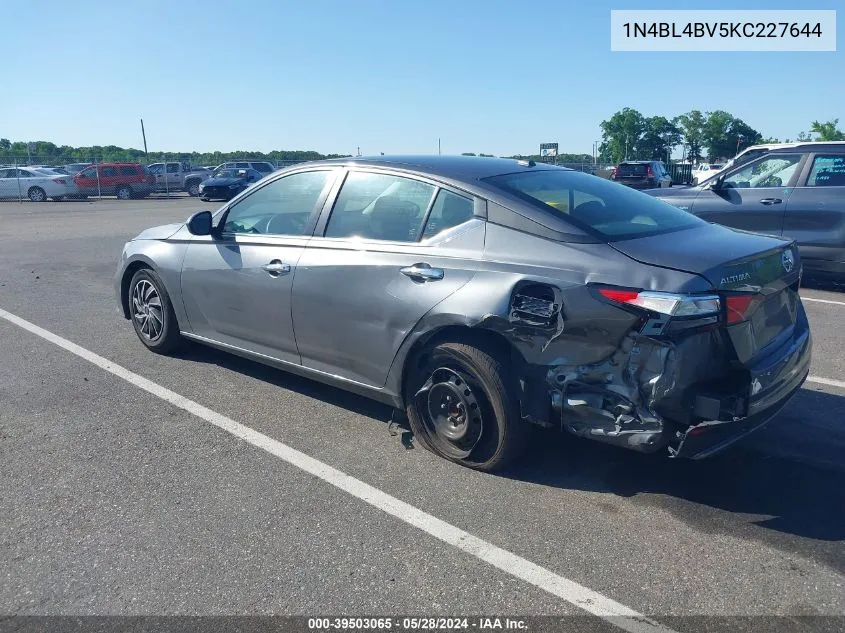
(119, 501)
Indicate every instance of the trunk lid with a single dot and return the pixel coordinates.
(757, 277)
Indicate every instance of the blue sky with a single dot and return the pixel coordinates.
(488, 76)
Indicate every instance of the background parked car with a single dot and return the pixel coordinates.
(704, 171)
(177, 176)
(34, 184)
(124, 180)
(796, 192)
(193, 179)
(641, 174)
(225, 184)
(261, 166)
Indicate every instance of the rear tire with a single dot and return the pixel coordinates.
(36, 194)
(152, 312)
(193, 188)
(462, 404)
(124, 193)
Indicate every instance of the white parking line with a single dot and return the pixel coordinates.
(836, 303)
(826, 381)
(582, 597)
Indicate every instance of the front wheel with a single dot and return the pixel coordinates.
(193, 189)
(152, 312)
(462, 405)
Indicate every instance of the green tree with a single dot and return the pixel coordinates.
(621, 135)
(827, 131)
(691, 126)
(725, 135)
(5, 144)
(659, 138)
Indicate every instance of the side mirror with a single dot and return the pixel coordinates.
(715, 184)
(200, 223)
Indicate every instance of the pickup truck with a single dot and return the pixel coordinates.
(178, 177)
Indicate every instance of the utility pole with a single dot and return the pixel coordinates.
(359, 151)
(438, 147)
(144, 136)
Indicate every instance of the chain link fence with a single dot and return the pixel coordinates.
(75, 176)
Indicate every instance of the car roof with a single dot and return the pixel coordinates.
(837, 147)
(466, 168)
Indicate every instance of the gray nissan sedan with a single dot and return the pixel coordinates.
(484, 296)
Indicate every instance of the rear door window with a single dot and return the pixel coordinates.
(380, 207)
(827, 171)
(612, 211)
(449, 210)
(127, 170)
(109, 171)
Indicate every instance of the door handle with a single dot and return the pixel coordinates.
(276, 268)
(770, 200)
(422, 272)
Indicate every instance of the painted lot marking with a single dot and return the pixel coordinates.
(828, 301)
(582, 597)
(827, 381)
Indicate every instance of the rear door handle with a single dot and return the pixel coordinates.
(276, 268)
(422, 272)
(770, 200)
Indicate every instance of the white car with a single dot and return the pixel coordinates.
(705, 171)
(35, 184)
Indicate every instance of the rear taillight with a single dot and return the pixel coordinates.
(649, 173)
(60, 181)
(740, 307)
(614, 173)
(664, 302)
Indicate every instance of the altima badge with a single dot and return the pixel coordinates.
(788, 260)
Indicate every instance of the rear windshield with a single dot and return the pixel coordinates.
(637, 169)
(614, 211)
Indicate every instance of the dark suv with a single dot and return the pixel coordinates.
(795, 192)
(642, 174)
(124, 180)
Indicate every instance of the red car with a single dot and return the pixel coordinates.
(124, 180)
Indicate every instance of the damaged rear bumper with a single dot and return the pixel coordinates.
(655, 394)
(773, 383)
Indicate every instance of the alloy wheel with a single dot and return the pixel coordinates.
(147, 310)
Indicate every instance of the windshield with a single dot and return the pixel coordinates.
(227, 173)
(612, 210)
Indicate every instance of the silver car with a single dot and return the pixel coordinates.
(483, 297)
(35, 184)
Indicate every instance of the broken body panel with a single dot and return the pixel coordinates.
(628, 377)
